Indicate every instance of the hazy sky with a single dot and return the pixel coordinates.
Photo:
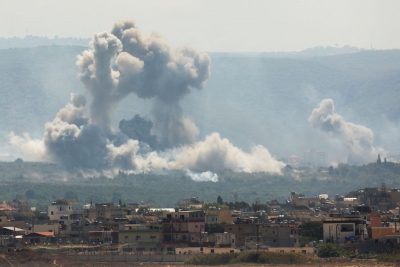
(216, 25)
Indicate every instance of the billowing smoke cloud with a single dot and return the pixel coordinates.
(202, 177)
(139, 128)
(357, 140)
(147, 66)
(126, 61)
(218, 154)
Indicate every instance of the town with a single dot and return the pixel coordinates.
(364, 220)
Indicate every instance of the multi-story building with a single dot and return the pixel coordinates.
(182, 228)
(141, 238)
(280, 235)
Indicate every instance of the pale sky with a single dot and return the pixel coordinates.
(216, 25)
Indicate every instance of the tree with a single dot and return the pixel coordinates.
(312, 230)
(219, 200)
(30, 193)
(379, 161)
(71, 195)
(214, 228)
(330, 170)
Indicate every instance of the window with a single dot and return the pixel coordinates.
(273, 240)
(60, 208)
(273, 232)
(52, 213)
(126, 237)
(233, 240)
(212, 250)
(201, 249)
(152, 237)
(231, 251)
(295, 241)
(196, 225)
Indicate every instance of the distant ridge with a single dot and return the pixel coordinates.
(34, 41)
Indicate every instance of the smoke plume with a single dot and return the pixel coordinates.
(202, 177)
(126, 61)
(357, 140)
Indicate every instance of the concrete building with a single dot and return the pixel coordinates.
(219, 216)
(182, 228)
(141, 238)
(280, 235)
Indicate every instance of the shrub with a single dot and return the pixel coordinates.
(265, 257)
(332, 250)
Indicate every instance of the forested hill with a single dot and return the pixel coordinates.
(250, 99)
(41, 183)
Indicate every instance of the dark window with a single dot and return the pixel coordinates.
(212, 250)
(52, 213)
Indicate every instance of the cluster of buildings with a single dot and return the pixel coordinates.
(366, 215)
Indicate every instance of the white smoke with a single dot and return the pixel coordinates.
(218, 154)
(202, 177)
(357, 140)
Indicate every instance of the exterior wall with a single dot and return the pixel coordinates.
(219, 216)
(304, 250)
(55, 227)
(280, 236)
(224, 239)
(141, 240)
(56, 211)
(181, 228)
(382, 232)
(205, 250)
(338, 231)
(211, 218)
(241, 231)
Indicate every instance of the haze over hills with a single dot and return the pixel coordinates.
(250, 99)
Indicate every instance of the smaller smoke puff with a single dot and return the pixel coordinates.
(139, 128)
(202, 177)
(356, 139)
(78, 100)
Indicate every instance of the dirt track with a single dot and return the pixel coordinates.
(33, 259)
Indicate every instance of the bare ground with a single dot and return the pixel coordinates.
(32, 259)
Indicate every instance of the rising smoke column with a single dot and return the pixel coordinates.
(167, 76)
(357, 140)
(147, 66)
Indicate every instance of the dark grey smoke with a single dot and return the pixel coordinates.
(139, 128)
